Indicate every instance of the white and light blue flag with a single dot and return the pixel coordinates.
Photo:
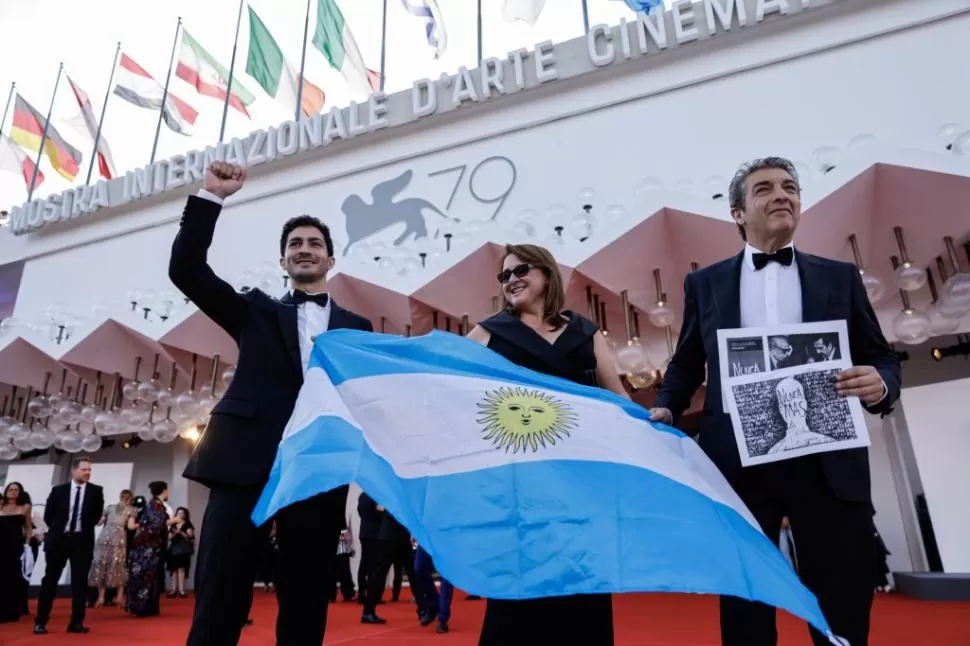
(645, 6)
(434, 24)
(521, 485)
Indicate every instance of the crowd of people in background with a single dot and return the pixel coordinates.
(141, 540)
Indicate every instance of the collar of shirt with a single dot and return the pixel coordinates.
(750, 251)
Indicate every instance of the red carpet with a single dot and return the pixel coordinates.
(641, 620)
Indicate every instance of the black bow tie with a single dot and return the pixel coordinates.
(299, 297)
(782, 257)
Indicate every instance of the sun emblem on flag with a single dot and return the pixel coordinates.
(519, 419)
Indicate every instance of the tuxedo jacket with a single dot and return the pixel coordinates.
(58, 509)
(239, 444)
(831, 290)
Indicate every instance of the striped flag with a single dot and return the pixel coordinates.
(521, 485)
(335, 41)
(137, 86)
(644, 6)
(28, 129)
(200, 69)
(434, 25)
(526, 11)
(87, 124)
(267, 64)
(14, 160)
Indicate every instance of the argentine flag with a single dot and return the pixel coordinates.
(521, 485)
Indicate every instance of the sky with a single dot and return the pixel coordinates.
(36, 36)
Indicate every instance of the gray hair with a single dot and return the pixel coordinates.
(738, 190)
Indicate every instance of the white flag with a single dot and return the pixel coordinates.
(526, 11)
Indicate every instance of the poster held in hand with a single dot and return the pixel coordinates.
(778, 385)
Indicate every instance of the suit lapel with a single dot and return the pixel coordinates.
(727, 293)
(815, 292)
(338, 317)
(288, 322)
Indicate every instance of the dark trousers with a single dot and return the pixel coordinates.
(228, 554)
(368, 552)
(387, 553)
(433, 600)
(403, 556)
(835, 551)
(343, 577)
(77, 551)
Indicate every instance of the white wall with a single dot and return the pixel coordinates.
(938, 421)
(885, 498)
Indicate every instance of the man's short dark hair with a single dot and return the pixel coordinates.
(305, 221)
(738, 191)
(76, 462)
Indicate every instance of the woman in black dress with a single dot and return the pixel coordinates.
(181, 547)
(534, 331)
(15, 530)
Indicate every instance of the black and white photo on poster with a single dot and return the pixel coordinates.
(781, 417)
(789, 407)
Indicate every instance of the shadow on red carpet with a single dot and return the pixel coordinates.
(641, 620)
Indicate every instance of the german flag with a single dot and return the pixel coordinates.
(27, 130)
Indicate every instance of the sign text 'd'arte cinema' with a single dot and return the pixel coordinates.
(521, 70)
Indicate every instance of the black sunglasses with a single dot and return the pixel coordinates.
(519, 271)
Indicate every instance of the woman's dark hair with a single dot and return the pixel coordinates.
(23, 498)
(157, 487)
(188, 515)
(544, 261)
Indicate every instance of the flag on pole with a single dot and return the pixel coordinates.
(28, 129)
(137, 86)
(199, 68)
(521, 485)
(644, 6)
(526, 11)
(267, 64)
(14, 160)
(434, 24)
(334, 39)
(87, 124)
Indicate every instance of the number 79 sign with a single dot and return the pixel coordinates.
(495, 196)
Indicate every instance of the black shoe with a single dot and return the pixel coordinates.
(40, 629)
(249, 622)
(426, 618)
(80, 629)
(371, 618)
(473, 597)
(442, 627)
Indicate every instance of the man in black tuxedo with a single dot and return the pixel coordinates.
(72, 512)
(825, 496)
(235, 453)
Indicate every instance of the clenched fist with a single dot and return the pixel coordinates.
(224, 179)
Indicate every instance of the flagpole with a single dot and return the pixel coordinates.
(479, 32)
(43, 136)
(168, 77)
(383, 43)
(232, 67)
(299, 81)
(6, 109)
(104, 109)
(585, 16)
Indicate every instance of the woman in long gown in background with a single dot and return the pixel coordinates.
(110, 566)
(15, 530)
(533, 330)
(145, 557)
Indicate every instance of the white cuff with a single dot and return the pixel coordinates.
(885, 391)
(206, 195)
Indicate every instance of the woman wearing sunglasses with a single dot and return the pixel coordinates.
(533, 330)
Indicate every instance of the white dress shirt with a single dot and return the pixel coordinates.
(312, 320)
(70, 505)
(769, 296)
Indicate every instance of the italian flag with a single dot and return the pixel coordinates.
(334, 40)
(200, 69)
(274, 73)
